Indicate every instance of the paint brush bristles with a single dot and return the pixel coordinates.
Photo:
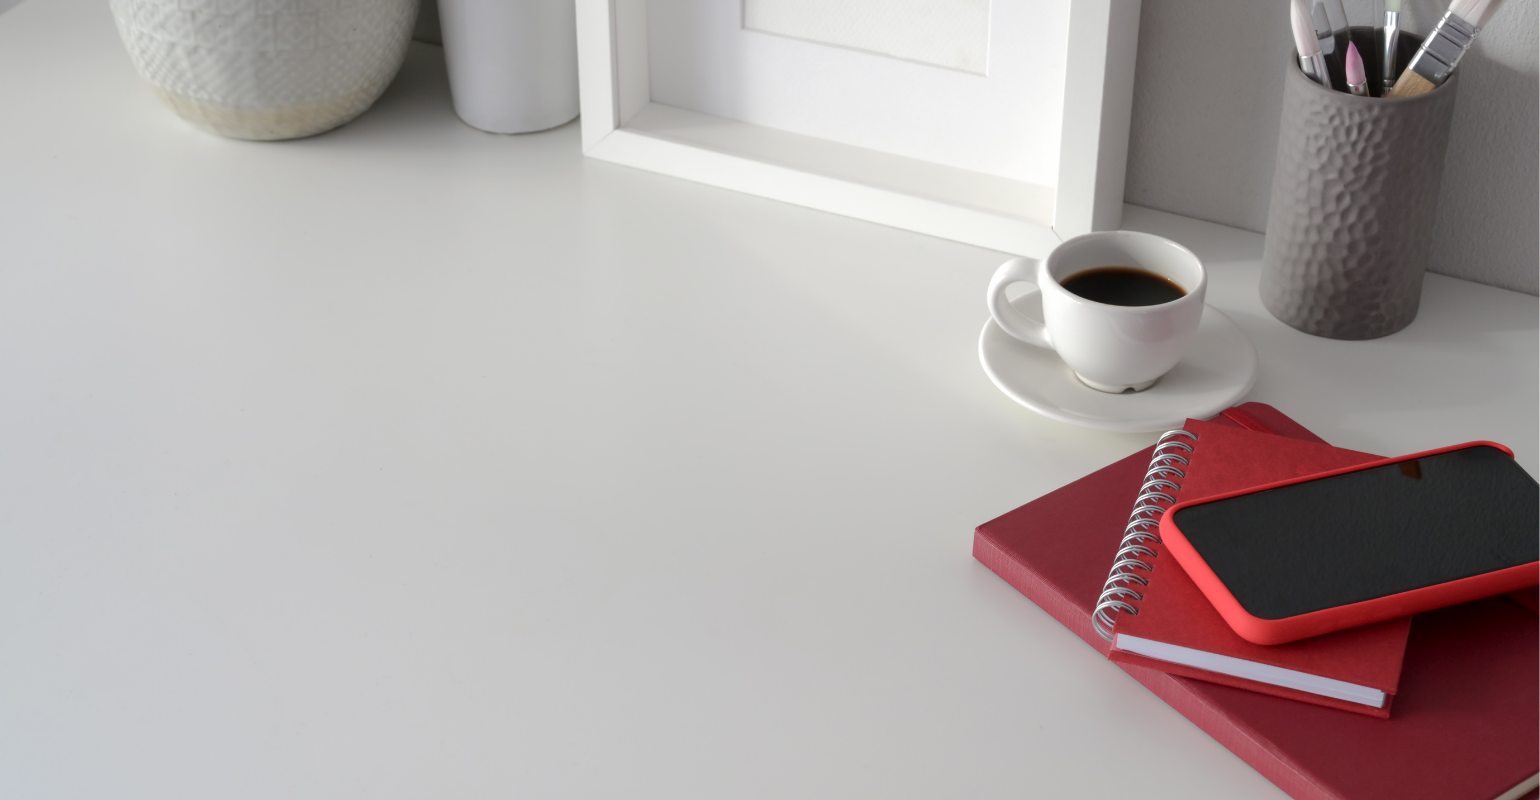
(1357, 81)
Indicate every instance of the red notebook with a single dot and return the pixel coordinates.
(1170, 625)
(1465, 724)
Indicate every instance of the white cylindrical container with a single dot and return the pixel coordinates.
(512, 63)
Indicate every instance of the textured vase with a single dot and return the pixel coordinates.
(1355, 189)
(267, 69)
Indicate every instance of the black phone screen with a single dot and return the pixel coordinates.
(1369, 533)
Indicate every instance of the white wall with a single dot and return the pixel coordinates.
(1205, 127)
(427, 22)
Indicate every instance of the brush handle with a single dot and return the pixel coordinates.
(1391, 42)
(1315, 68)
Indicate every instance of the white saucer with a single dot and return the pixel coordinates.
(1218, 369)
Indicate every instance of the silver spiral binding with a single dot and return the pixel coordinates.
(1142, 523)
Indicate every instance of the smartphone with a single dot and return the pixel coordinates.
(1382, 540)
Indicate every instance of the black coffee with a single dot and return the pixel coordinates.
(1123, 286)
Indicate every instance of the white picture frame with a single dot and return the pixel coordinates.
(621, 124)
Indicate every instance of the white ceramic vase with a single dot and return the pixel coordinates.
(512, 63)
(267, 69)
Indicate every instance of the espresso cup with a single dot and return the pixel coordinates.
(1111, 348)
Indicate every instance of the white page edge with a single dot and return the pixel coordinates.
(1251, 670)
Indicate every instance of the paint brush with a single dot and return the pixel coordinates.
(1441, 52)
(1357, 81)
(1311, 62)
(1391, 39)
(1331, 30)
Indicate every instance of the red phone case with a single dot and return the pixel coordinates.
(1316, 623)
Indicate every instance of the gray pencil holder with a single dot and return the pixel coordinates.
(1355, 189)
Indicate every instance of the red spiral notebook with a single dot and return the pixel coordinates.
(1171, 626)
(1465, 725)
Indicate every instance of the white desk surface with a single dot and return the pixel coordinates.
(409, 461)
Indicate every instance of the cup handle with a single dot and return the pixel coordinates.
(1013, 322)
